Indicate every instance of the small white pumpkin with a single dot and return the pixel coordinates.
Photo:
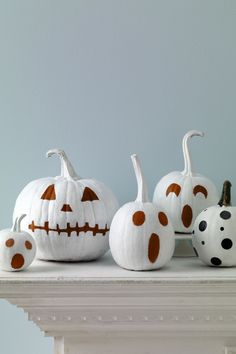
(214, 236)
(183, 195)
(69, 217)
(17, 248)
(141, 236)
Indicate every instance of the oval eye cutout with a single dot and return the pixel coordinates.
(66, 208)
(173, 188)
(49, 193)
(89, 195)
(200, 189)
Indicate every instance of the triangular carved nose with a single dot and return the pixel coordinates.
(66, 207)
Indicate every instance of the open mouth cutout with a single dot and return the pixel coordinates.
(69, 229)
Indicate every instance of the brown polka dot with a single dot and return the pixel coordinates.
(163, 218)
(17, 261)
(138, 218)
(28, 245)
(10, 242)
(153, 247)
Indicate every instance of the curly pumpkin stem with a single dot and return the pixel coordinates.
(67, 170)
(17, 223)
(187, 160)
(225, 199)
(142, 195)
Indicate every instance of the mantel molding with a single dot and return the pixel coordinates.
(72, 308)
(89, 305)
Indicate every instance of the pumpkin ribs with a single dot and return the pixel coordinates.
(69, 229)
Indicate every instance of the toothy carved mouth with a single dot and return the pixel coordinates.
(69, 229)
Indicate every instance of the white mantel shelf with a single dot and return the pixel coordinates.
(97, 307)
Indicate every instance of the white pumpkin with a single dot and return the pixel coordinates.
(183, 195)
(141, 236)
(69, 217)
(214, 237)
(17, 248)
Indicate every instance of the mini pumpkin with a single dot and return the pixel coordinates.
(214, 237)
(17, 248)
(185, 194)
(69, 217)
(141, 236)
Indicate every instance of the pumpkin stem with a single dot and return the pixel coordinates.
(17, 223)
(225, 199)
(187, 159)
(142, 195)
(67, 170)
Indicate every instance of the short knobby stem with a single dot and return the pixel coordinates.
(225, 199)
(17, 223)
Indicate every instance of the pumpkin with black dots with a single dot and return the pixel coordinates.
(141, 235)
(17, 248)
(214, 237)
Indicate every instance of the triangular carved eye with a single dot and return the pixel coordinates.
(49, 193)
(89, 195)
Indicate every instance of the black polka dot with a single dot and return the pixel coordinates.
(225, 215)
(216, 261)
(195, 251)
(205, 210)
(203, 225)
(227, 243)
(222, 228)
(203, 242)
(193, 232)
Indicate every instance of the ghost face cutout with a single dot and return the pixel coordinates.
(183, 195)
(141, 236)
(184, 198)
(17, 248)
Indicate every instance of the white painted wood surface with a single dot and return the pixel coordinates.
(98, 307)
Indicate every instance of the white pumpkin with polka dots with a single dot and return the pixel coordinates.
(17, 248)
(141, 236)
(214, 235)
(185, 194)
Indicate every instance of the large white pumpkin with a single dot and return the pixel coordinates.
(183, 195)
(141, 236)
(69, 217)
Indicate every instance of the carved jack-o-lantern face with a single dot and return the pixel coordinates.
(141, 236)
(88, 196)
(68, 216)
(183, 195)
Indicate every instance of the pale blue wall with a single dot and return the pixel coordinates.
(106, 78)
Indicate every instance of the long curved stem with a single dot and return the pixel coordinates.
(187, 159)
(67, 170)
(17, 223)
(225, 199)
(142, 195)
